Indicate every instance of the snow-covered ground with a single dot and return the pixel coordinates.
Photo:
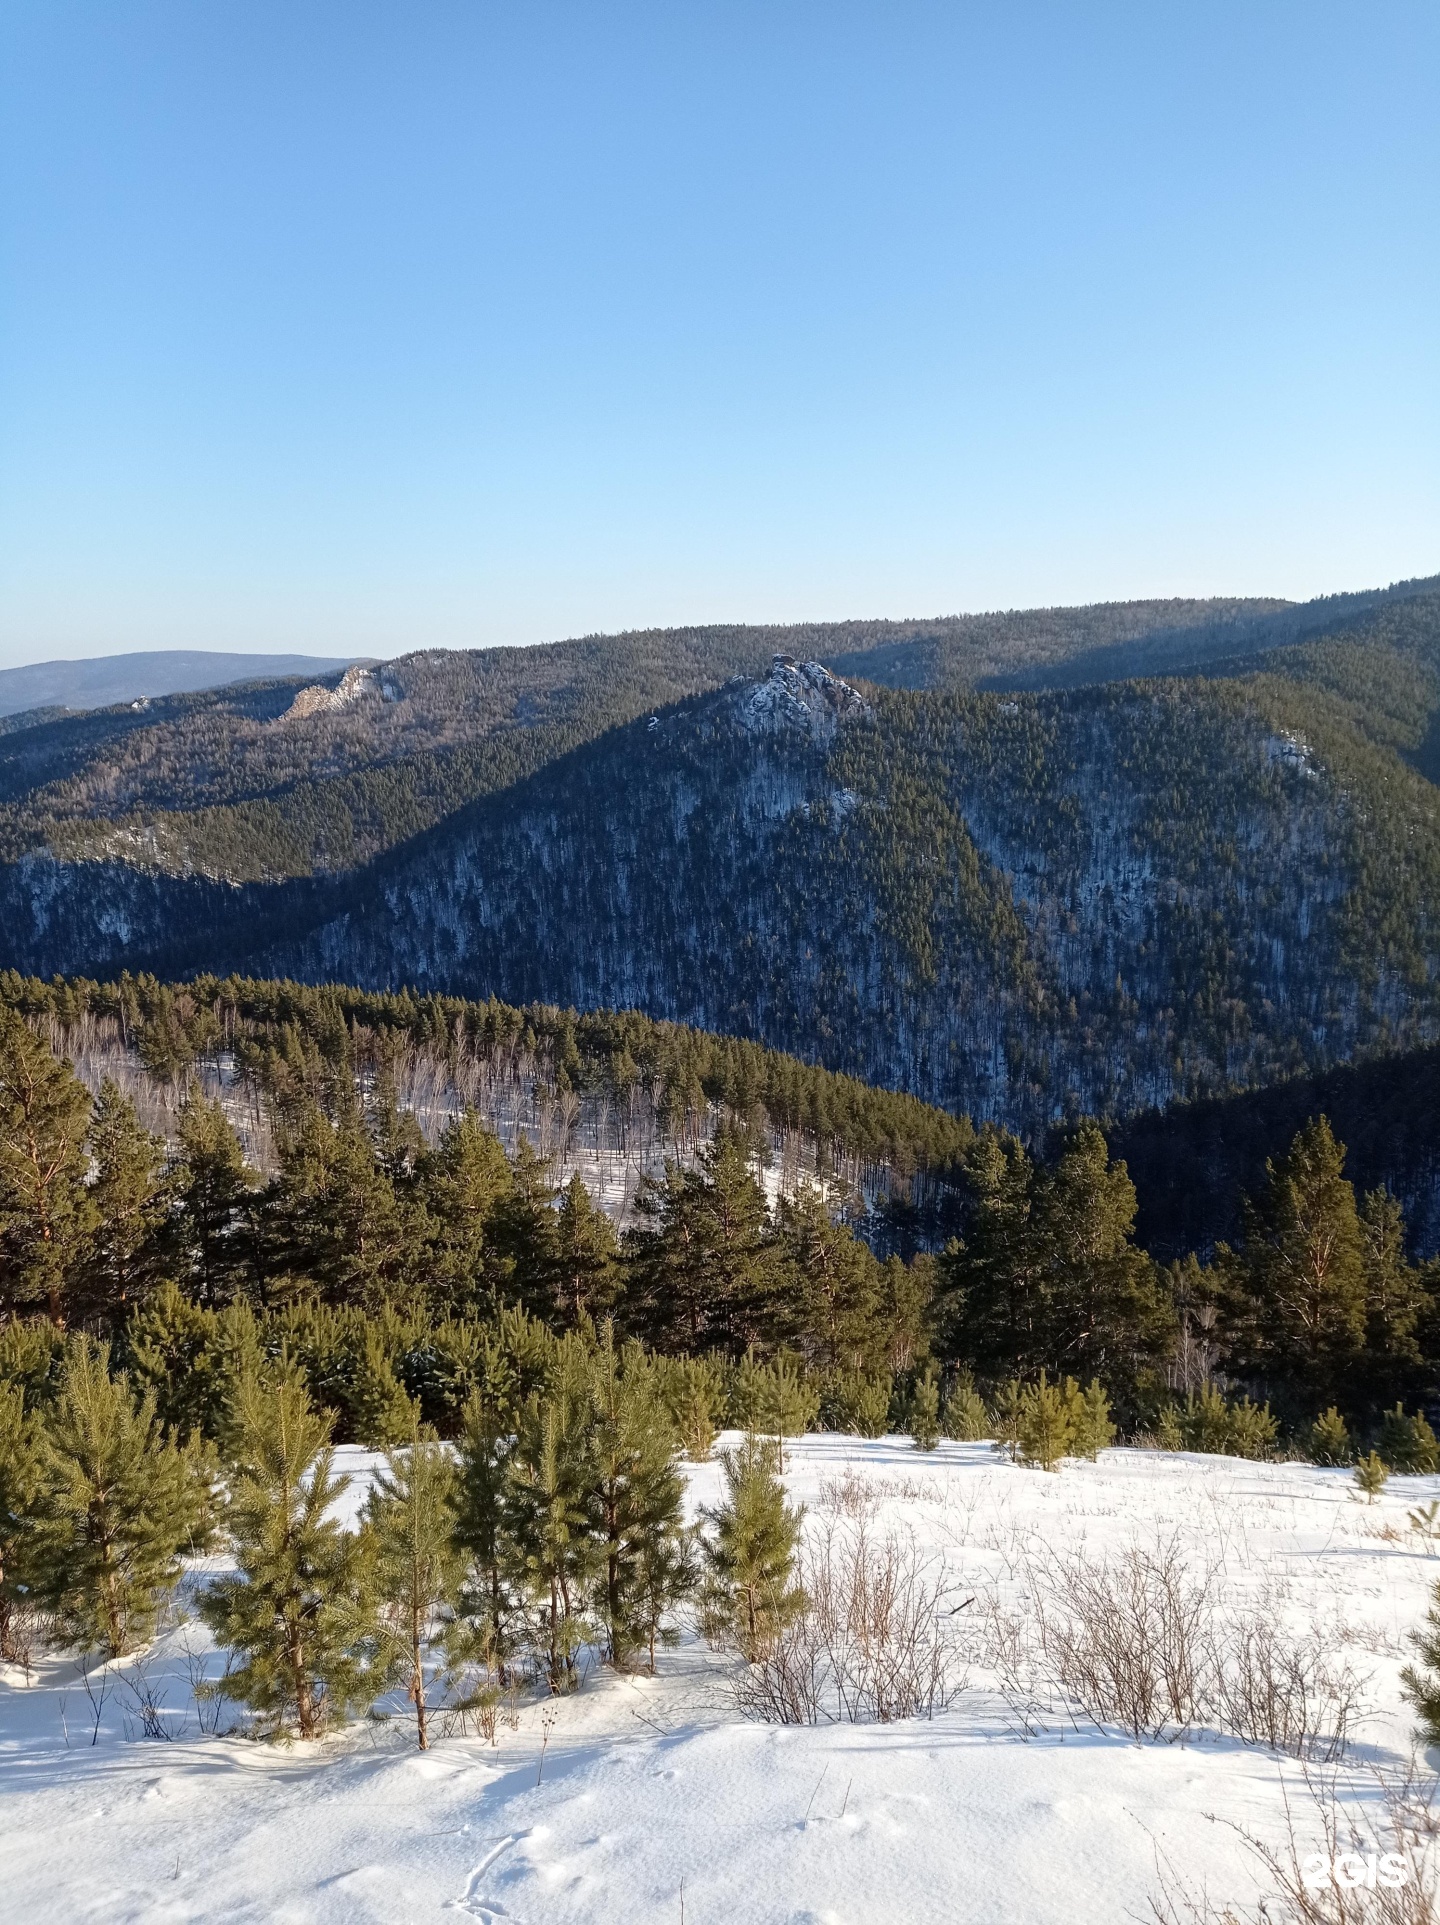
(656, 1801)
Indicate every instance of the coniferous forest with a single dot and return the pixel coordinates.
(186, 1336)
(1107, 1114)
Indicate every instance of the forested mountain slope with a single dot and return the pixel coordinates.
(1019, 906)
(268, 781)
(1193, 1163)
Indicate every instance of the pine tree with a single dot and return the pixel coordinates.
(45, 1207)
(1329, 1441)
(1395, 1299)
(191, 1359)
(299, 1610)
(1092, 1429)
(1302, 1270)
(216, 1194)
(925, 1411)
(701, 1257)
(1421, 1683)
(485, 1606)
(1372, 1474)
(637, 1496)
(993, 1295)
(584, 1272)
(465, 1181)
(787, 1405)
(1104, 1310)
(418, 1561)
(130, 1200)
(751, 1594)
(522, 1231)
(118, 1506)
(695, 1391)
(333, 1215)
(907, 1308)
(831, 1283)
(1046, 1430)
(1408, 1444)
(380, 1411)
(19, 1490)
(965, 1417)
(395, 1137)
(666, 1572)
(553, 1550)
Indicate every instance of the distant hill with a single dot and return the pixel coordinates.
(1017, 903)
(108, 679)
(1020, 907)
(208, 783)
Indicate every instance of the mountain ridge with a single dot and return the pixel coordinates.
(103, 681)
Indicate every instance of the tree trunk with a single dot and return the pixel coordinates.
(304, 1696)
(417, 1676)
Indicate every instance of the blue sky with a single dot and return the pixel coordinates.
(364, 328)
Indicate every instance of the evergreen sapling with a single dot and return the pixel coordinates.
(1372, 1474)
(417, 1561)
(638, 1500)
(299, 1610)
(925, 1411)
(118, 1506)
(751, 1594)
(1329, 1440)
(553, 1553)
(19, 1488)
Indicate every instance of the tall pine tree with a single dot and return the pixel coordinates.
(583, 1259)
(637, 1497)
(45, 1207)
(216, 1195)
(1299, 1284)
(130, 1201)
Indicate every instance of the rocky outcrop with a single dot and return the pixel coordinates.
(354, 685)
(800, 698)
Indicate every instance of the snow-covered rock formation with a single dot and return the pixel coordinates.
(800, 698)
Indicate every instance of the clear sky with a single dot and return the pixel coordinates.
(353, 327)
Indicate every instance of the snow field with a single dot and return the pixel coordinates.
(603, 1806)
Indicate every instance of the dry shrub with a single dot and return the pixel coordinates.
(874, 1643)
(1141, 1641)
(1285, 1692)
(1348, 1838)
(1129, 1639)
(849, 1496)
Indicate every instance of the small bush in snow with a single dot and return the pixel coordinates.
(1408, 1444)
(873, 1643)
(964, 1416)
(1329, 1441)
(1140, 1641)
(925, 1412)
(1372, 1474)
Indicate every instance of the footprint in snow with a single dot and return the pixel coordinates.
(485, 1909)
